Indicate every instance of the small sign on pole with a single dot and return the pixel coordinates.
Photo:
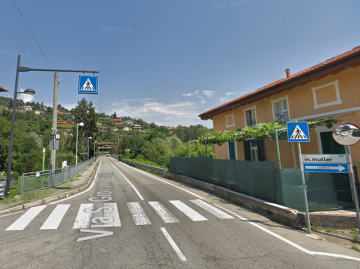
(298, 131)
(88, 84)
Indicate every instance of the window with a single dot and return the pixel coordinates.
(254, 151)
(230, 120)
(250, 117)
(281, 109)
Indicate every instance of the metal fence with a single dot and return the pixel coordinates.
(261, 180)
(46, 179)
(149, 167)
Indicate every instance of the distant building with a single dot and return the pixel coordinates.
(136, 127)
(37, 112)
(102, 128)
(117, 121)
(130, 122)
(126, 129)
(105, 146)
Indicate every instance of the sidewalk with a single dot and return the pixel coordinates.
(75, 185)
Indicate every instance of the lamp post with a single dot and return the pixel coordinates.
(88, 145)
(95, 142)
(27, 91)
(77, 138)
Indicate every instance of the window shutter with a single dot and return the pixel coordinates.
(231, 150)
(247, 151)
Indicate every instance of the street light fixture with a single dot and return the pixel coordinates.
(88, 145)
(77, 137)
(8, 175)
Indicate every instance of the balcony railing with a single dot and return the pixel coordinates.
(282, 116)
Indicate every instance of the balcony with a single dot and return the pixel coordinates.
(282, 116)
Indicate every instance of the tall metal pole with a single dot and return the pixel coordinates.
(304, 188)
(77, 135)
(88, 147)
(8, 175)
(235, 149)
(54, 118)
(277, 148)
(352, 182)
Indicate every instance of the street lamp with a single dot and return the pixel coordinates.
(27, 91)
(95, 142)
(77, 137)
(88, 145)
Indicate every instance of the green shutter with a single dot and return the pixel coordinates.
(329, 146)
(231, 150)
(247, 151)
(260, 150)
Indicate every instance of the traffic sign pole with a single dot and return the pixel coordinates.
(304, 188)
(352, 182)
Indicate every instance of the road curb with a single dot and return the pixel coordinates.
(52, 198)
(279, 213)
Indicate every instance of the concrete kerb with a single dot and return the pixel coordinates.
(279, 213)
(52, 198)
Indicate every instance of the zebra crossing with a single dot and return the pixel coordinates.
(108, 215)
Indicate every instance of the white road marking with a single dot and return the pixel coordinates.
(100, 234)
(83, 217)
(138, 214)
(163, 212)
(138, 193)
(211, 209)
(25, 219)
(265, 230)
(191, 213)
(112, 217)
(97, 170)
(53, 221)
(173, 244)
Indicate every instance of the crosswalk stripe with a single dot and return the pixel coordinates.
(25, 219)
(111, 217)
(83, 217)
(192, 214)
(211, 209)
(163, 212)
(53, 221)
(138, 214)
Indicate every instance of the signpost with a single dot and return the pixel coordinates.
(325, 163)
(299, 132)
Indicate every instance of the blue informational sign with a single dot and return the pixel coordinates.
(88, 84)
(298, 131)
(326, 168)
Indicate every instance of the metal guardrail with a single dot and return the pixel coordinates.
(152, 168)
(46, 179)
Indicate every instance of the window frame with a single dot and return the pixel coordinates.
(337, 92)
(273, 102)
(233, 120)
(255, 115)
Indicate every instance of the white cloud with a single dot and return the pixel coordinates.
(169, 114)
(208, 93)
(190, 94)
(26, 97)
(229, 93)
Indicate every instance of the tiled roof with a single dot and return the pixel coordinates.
(291, 77)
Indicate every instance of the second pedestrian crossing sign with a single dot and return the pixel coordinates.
(88, 84)
(298, 131)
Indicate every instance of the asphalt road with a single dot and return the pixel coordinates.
(132, 219)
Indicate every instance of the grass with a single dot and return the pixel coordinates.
(355, 239)
(356, 248)
(329, 230)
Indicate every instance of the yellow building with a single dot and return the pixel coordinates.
(328, 89)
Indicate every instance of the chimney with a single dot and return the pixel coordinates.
(287, 70)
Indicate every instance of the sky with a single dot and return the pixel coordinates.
(167, 61)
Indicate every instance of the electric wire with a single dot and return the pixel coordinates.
(33, 34)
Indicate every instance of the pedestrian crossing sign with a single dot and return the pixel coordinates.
(88, 84)
(298, 131)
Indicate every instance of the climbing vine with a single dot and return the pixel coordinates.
(262, 131)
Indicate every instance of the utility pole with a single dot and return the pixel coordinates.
(54, 118)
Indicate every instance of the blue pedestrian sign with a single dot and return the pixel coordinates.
(298, 131)
(326, 168)
(88, 84)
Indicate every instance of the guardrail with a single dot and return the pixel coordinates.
(152, 168)
(46, 179)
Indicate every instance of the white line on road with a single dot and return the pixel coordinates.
(211, 209)
(111, 217)
(138, 193)
(163, 212)
(25, 219)
(53, 221)
(83, 217)
(192, 214)
(173, 244)
(138, 214)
